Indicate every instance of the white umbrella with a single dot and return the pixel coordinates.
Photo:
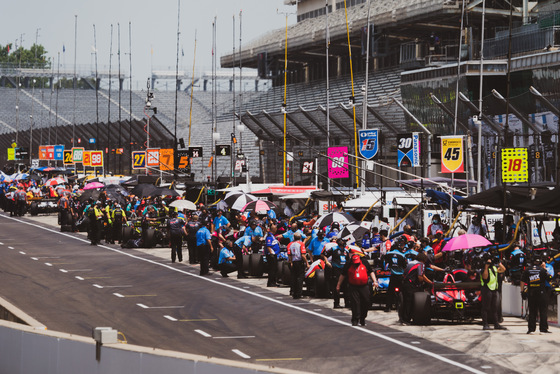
(183, 204)
(55, 181)
(328, 219)
(353, 232)
(237, 200)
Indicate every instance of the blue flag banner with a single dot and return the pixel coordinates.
(369, 143)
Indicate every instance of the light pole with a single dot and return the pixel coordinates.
(30, 138)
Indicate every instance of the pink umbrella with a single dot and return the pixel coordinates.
(466, 241)
(93, 185)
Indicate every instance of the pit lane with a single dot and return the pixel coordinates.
(384, 342)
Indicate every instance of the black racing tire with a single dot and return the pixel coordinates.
(34, 208)
(246, 264)
(421, 308)
(279, 270)
(69, 218)
(256, 265)
(399, 299)
(150, 238)
(127, 233)
(286, 273)
(66, 228)
(321, 285)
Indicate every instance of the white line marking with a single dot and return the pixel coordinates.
(79, 278)
(486, 367)
(35, 258)
(233, 337)
(11, 248)
(22, 252)
(205, 334)
(118, 295)
(171, 318)
(81, 270)
(264, 297)
(63, 271)
(1, 243)
(239, 353)
(144, 307)
(415, 342)
(97, 286)
(48, 264)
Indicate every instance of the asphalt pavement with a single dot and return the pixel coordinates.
(70, 286)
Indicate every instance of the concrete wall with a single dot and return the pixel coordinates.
(513, 305)
(33, 350)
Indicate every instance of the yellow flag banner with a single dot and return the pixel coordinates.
(452, 154)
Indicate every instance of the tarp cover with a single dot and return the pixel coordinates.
(545, 202)
(494, 197)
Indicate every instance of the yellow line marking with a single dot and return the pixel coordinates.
(279, 359)
(197, 320)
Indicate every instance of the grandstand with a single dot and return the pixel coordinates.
(414, 53)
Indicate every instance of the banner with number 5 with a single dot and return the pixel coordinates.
(338, 162)
(452, 154)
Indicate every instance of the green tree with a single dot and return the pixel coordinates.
(34, 57)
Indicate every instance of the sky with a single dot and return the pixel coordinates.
(153, 31)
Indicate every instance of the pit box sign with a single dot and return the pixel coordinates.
(182, 163)
(195, 152)
(515, 165)
(166, 159)
(11, 154)
(337, 163)
(96, 159)
(308, 167)
(77, 154)
(152, 157)
(58, 152)
(408, 149)
(47, 152)
(452, 154)
(369, 143)
(87, 158)
(138, 160)
(223, 150)
(67, 160)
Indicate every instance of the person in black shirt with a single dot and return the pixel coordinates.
(414, 280)
(358, 271)
(191, 228)
(175, 226)
(533, 282)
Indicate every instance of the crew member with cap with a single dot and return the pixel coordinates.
(175, 226)
(533, 285)
(204, 244)
(272, 250)
(358, 271)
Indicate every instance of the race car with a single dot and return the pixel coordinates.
(456, 298)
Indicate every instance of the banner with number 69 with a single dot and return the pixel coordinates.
(452, 154)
